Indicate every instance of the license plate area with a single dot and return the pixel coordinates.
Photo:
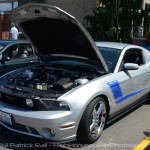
(5, 117)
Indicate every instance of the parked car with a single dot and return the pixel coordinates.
(79, 87)
(15, 54)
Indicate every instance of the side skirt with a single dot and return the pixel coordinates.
(126, 109)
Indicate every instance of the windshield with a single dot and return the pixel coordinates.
(111, 56)
(77, 65)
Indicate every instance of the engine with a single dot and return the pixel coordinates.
(53, 78)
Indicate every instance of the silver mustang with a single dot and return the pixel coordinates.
(77, 86)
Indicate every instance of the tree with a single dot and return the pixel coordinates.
(130, 18)
(113, 20)
(95, 23)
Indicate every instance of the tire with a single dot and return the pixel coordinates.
(93, 121)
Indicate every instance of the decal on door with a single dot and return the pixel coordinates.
(116, 89)
(117, 92)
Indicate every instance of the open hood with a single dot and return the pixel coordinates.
(56, 33)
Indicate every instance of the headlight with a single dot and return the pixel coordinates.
(55, 105)
(63, 105)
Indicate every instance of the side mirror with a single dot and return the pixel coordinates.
(3, 59)
(131, 66)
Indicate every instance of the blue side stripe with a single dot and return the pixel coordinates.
(128, 96)
(117, 92)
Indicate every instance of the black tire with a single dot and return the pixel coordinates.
(91, 124)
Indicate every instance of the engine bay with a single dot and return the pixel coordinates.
(51, 77)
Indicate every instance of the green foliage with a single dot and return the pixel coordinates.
(95, 24)
(111, 35)
(113, 20)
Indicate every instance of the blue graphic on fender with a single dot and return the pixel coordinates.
(116, 89)
(117, 92)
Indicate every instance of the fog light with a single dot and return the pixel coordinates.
(29, 102)
(52, 133)
(48, 133)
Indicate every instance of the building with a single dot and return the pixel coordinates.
(146, 3)
(6, 6)
(78, 8)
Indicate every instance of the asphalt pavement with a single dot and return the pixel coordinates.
(123, 134)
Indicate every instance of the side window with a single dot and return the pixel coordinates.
(22, 51)
(18, 51)
(134, 56)
(8, 51)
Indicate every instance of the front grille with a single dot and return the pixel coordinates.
(22, 128)
(16, 126)
(17, 101)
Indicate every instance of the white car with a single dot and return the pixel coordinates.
(77, 87)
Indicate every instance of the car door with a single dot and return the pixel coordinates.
(17, 56)
(134, 83)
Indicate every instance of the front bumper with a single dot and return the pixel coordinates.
(57, 126)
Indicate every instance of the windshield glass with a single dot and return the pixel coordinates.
(77, 65)
(74, 63)
(111, 56)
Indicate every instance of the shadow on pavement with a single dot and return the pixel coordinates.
(147, 133)
(147, 102)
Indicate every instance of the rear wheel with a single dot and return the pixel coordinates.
(93, 121)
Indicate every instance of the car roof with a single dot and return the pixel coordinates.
(7, 42)
(113, 45)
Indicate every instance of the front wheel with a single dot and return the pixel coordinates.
(93, 121)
